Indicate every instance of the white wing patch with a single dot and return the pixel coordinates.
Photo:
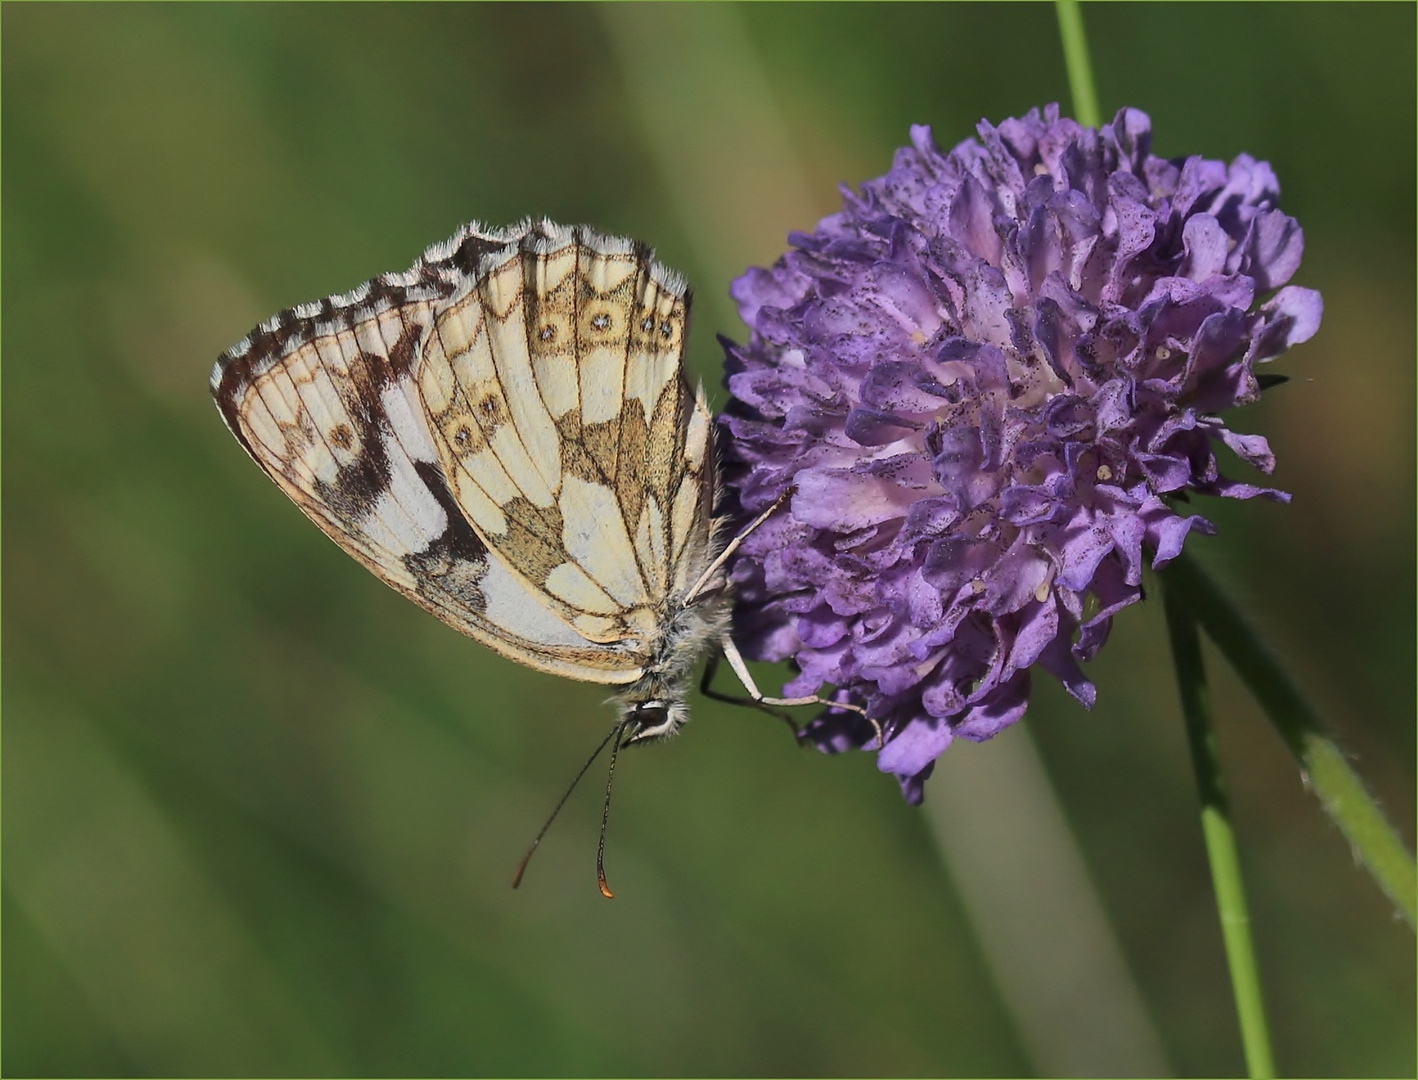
(510, 607)
(570, 583)
(602, 385)
(595, 536)
(650, 538)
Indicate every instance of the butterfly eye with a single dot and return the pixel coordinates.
(601, 321)
(547, 332)
(666, 331)
(647, 324)
(648, 720)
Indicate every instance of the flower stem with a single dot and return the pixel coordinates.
(1341, 792)
(1080, 70)
(1216, 828)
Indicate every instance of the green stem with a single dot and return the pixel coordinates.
(1341, 792)
(1080, 70)
(1220, 837)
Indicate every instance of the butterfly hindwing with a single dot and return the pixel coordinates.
(353, 405)
(554, 388)
(504, 433)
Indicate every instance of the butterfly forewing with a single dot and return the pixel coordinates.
(504, 434)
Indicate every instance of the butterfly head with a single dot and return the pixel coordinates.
(650, 721)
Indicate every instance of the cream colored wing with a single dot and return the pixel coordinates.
(569, 435)
(324, 398)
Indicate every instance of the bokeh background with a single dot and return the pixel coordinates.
(260, 812)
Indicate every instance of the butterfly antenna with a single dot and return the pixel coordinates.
(605, 819)
(522, 866)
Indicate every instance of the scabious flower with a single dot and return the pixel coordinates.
(989, 381)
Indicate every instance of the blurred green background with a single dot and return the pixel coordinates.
(260, 812)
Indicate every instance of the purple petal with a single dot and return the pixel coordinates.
(1272, 249)
(1292, 316)
(1207, 246)
(873, 427)
(1253, 449)
(987, 720)
(913, 749)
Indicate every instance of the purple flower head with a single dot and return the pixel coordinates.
(986, 381)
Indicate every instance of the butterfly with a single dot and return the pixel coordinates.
(505, 433)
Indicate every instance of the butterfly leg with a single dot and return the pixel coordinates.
(708, 691)
(759, 700)
(732, 546)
